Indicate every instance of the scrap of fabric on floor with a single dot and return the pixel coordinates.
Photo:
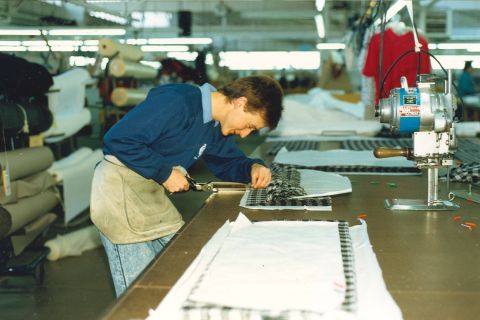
(282, 270)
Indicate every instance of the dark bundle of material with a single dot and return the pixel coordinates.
(27, 115)
(20, 78)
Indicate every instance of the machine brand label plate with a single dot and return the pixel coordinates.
(409, 111)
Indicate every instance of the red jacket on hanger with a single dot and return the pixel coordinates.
(393, 46)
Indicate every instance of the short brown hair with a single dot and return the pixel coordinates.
(264, 95)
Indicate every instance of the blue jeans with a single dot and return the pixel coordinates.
(127, 261)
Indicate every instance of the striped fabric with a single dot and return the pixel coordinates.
(293, 145)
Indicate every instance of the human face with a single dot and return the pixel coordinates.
(241, 122)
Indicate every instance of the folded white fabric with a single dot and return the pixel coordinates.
(75, 173)
(320, 183)
(312, 158)
(303, 119)
(287, 269)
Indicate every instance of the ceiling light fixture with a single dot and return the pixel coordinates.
(319, 4)
(20, 32)
(331, 46)
(393, 10)
(180, 41)
(320, 26)
(164, 48)
(87, 32)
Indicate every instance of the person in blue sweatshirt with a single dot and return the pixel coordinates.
(146, 151)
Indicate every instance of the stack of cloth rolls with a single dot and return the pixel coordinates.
(27, 197)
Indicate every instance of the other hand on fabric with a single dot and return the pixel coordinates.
(261, 176)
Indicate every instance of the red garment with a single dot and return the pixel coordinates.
(393, 46)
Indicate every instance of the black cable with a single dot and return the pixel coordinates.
(435, 58)
(382, 36)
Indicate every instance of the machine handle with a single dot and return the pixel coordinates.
(393, 152)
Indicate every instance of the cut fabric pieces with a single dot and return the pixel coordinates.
(346, 161)
(297, 189)
(283, 270)
(257, 199)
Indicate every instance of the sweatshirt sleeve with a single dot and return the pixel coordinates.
(131, 138)
(227, 162)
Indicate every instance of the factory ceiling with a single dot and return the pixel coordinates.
(238, 25)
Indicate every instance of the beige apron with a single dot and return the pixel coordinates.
(128, 208)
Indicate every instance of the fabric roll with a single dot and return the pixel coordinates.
(26, 235)
(109, 48)
(27, 161)
(67, 94)
(15, 216)
(75, 174)
(74, 243)
(21, 78)
(27, 187)
(124, 97)
(123, 68)
(28, 116)
(67, 124)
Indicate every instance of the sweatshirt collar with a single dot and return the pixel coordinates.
(206, 89)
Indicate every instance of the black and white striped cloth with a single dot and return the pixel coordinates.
(370, 144)
(467, 172)
(258, 198)
(293, 145)
(468, 150)
(358, 169)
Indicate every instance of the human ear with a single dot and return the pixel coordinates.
(241, 102)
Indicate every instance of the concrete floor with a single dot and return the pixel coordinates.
(80, 287)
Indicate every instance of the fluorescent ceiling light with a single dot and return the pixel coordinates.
(90, 42)
(432, 46)
(20, 32)
(87, 32)
(464, 46)
(108, 17)
(10, 43)
(331, 46)
(455, 61)
(393, 10)
(320, 26)
(137, 42)
(270, 60)
(180, 41)
(12, 48)
(319, 4)
(163, 48)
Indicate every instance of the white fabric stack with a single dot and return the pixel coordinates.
(66, 101)
(292, 269)
(319, 113)
(75, 174)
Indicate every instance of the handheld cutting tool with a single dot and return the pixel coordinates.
(215, 186)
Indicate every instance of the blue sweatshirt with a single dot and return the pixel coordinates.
(174, 126)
